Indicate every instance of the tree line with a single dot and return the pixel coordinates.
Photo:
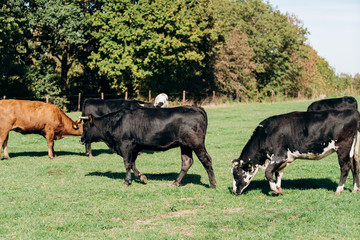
(242, 48)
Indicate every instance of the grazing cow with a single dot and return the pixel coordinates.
(161, 100)
(35, 117)
(99, 107)
(279, 140)
(334, 103)
(127, 132)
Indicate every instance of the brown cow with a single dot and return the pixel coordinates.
(35, 117)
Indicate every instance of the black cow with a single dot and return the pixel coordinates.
(334, 103)
(279, 140)
(127, 132)
(99, 107)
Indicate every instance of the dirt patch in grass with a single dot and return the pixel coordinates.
(233, 209)
(189, 200)
(56, 172)
(168, 215)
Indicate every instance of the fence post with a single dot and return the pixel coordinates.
(4, 97)
(213, 97)
(272, 95)
(47, 99)
(184, 93)
(102, 96)
(149, 95)
(79, 97)
(126, 95)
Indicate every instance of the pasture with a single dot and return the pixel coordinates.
(74, 197)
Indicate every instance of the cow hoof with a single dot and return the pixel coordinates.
(176, 184)
(213, 186)
(337, 193)
(275, 194)
(143, 179)
(280, 191)
(126, 183)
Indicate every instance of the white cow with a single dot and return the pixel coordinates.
(161, 100)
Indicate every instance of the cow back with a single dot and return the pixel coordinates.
(300, 131)
(34, 117)
(99, 107)
(153, 128)
(334, 103)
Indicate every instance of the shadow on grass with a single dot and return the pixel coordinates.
(97, 152)
(189, 178)
(43, 154)
(300, 184)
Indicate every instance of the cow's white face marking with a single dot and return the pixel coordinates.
(330, 148)
(241, 177)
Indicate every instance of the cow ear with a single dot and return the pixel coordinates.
(91, 119)
(75, 125)
(249, 165)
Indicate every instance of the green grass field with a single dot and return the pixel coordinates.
(74, 197)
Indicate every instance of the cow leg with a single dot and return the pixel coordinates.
(137, 173)
(88, 150)
(345, 165)
(276, 165)
(355, 173)
(127, 164)
(50, 142)
(186, 163)
(3, 141)
(206, 161)
(355, 164)
(278, 176)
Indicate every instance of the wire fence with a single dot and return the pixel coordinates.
(75, 102)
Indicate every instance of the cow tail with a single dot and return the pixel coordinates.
(202, 111)
(357, 142)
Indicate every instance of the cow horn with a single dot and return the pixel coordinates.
(142, 105)
(84, 118)
(235, 162)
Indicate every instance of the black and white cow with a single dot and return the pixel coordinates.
(128, 131)
(100, 107)
(334, 103)
(161, 100)
(279, 140)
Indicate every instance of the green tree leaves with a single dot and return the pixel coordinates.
(240, 48)
(152, 44)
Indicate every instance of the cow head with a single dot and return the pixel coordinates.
(89, 130)
(161, 100)
(243, 172)
(77, 125)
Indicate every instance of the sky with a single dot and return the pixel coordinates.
(334, 27)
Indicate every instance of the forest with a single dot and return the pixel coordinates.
(243, 49)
